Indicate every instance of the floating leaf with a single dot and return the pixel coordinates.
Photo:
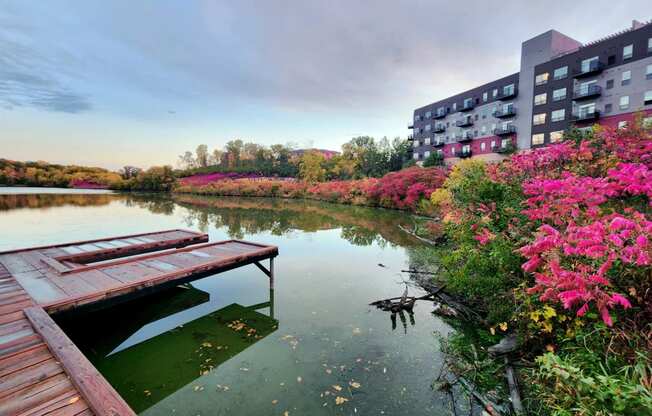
(207, 344)
(73, 400)
(274, 401)
(299, 379)
(336, 387)
(328, 370)
(354, 384)
(340, 400)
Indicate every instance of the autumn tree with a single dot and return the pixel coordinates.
(311, 167)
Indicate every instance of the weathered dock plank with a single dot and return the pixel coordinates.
(99, 394)
(41, 370)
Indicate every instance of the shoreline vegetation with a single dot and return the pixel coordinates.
(551, 248)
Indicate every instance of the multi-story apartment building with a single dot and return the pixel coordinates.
(561, 83)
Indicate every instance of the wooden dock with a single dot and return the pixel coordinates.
(41, 370)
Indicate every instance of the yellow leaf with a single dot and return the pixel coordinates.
(336, 387)
(503, 326)
(274, 401)
(341, 400)
(354, 384)
(73, 400)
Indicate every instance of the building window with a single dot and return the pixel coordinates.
(482, 146)
(608, 108)
(493, 144)
(611, 60)
(624, 102)
(426, 153)
(537, 139)
(415, 156)
(466, 148)
(508, 89)
(556, 136)
(483, 130)
(558, 95)
(539, 119)
(560, 73)
(428, 127)
(647, 99)
(485, 96)
(540, 99)
(649, 45)
(541, 79)
(453, 150)
(648, 72)
(505, 143)
(558, 115)
(428, 114)
(610, 84)
(454, 106)
(628, 51)
(589, 64)
(495, 92)
(427, 140)
(626, 78)
(622, 124)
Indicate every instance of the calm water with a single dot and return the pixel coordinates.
(226, 344)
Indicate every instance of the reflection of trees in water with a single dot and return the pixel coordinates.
(155, 203)
(361, 226)
(8, 202)
(242, 216)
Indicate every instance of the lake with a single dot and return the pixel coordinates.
(227, 344)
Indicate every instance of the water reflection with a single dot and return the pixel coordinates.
(145, 361)
(334, 261)
(361, 226)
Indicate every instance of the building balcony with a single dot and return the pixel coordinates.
(594, 69)
(586, 115)
(410, 138)
(467, 136)
(510, 112)
(410, 125)
(439, 128)
(437, 116)
(585, 93)
(467, 107)
(466, 153)
(465, 122)
(502, 95)
(438, 143)
(505, 130)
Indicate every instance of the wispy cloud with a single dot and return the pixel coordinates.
(29, 78)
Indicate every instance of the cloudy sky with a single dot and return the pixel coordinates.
(138, 82)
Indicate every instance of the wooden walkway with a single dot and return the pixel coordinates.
(41, 370)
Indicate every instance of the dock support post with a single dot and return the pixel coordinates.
(271, 273)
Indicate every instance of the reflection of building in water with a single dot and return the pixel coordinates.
(146, 372)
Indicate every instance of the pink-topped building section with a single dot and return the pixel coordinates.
(561, 83)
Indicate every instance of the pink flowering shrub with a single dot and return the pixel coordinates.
(592, 228)
(406, 188)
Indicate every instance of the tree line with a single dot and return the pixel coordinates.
(361, 157)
